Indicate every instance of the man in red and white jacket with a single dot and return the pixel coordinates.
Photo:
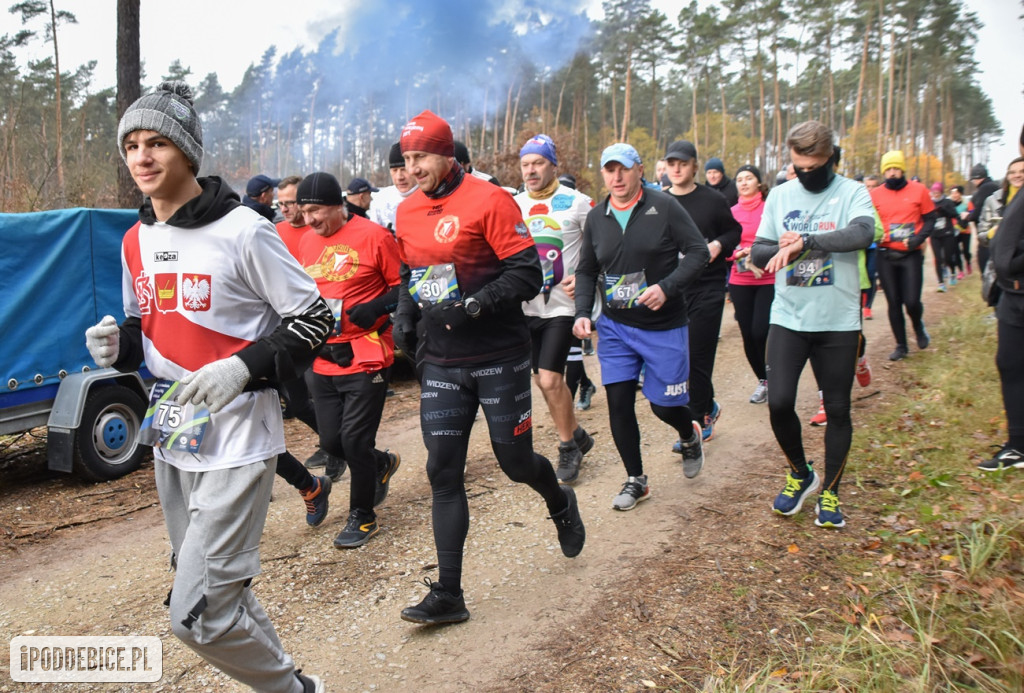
(221, 313)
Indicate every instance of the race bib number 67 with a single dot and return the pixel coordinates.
(622, 290)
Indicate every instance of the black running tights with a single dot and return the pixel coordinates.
(1010, 363)
(626, 430)
(449, 399)
(902, 278)
(833, 357)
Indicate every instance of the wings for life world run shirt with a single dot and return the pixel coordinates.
(820, 290)
(901, 212)
(556, 224)
(356, 264)
(474, 228)
(202, 294)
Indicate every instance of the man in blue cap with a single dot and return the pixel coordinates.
(357, 197)
(648, 251)
(259, 195)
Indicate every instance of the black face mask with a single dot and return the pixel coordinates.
(896, 183)
(818, 179)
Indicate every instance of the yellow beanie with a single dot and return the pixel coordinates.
(893, 159)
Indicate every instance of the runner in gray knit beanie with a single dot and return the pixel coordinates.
(169, 111)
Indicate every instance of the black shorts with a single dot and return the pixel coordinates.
(551, 339)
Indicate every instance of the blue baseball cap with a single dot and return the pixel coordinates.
(624, 153)
(258, 185)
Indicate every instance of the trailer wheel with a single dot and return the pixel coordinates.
(106, 444)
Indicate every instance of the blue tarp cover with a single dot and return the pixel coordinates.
(60, 272)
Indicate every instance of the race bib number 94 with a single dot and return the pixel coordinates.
(434, 283)
(622, 290)
(812, 268)
(170, 425)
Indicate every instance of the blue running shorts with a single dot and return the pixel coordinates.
(664, 356)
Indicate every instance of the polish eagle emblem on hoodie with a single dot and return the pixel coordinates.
(195, 291)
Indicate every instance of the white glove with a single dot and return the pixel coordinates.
(103, 341)
(215, 384)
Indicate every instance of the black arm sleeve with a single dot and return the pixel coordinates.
(129, 346)
(730, 232)
(764, 250)
(693, 248)
(386, 302)
(289, 350)
(586, 275)
(521, 279)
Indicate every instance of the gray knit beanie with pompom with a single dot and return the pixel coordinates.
(169, 111)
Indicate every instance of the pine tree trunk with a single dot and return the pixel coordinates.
(129, 88)
(627, 96)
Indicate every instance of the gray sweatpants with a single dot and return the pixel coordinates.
(215, 520)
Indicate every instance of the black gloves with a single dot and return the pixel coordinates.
(450, 314)
(364, 315)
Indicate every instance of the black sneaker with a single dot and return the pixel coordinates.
(586, 397)
(923, 338)
(360, 528)
(571, 533)
(316, 499)
(899, 353)
(384, 474)
(334, 467)
(310, 684)
(1006, 458)
(569, 458)
(584, 441)
(439, 606)
(317, 459)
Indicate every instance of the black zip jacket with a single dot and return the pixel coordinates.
(658, 231)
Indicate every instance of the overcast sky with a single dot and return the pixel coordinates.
(225, 37)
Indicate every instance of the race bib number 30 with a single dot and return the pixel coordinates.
(173, 426)
(812, 268)
(622, 290)
(434, 283)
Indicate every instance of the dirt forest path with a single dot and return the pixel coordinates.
(539, 620)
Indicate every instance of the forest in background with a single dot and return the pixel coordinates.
(732, 78)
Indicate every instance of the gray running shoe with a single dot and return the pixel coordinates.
(693, 453)
(760, 395)
(569, 458)
(633, 491)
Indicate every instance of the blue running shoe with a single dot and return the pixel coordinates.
(792, 497)
(708, 431)
(317, 500)
(829, 514)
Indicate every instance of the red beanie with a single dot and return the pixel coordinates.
(429, 133)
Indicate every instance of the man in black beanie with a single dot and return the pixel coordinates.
(355, 265)
(219, 311)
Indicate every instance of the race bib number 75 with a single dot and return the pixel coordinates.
(170, 425)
